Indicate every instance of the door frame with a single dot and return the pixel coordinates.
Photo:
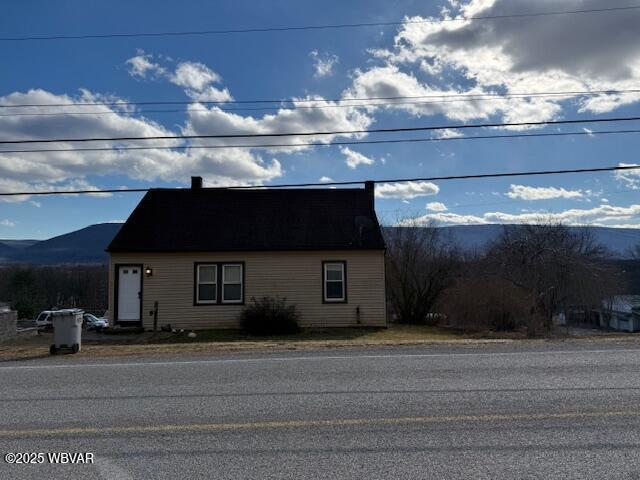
(117, 292)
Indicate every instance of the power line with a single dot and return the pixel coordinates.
(313, 27)
(333, 132)
(469, 96)
(330, 144)
(314, 107)
(345, 183)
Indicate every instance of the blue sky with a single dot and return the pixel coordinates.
(563, 53)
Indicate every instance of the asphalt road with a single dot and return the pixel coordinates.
(529, 411)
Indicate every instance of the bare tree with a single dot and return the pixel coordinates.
(30, 289)
(558, 265)
(421, 263)
(634, 252)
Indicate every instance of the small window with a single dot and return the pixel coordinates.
(334, 282)
(207, 284)
(125, 271)
(232, 283)
(134, 271)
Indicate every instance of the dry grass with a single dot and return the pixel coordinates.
(212, 341)
(219, 341)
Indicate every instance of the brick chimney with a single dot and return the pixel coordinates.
(196, 183)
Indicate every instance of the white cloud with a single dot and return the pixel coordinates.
(589, 52)
(216, 121)
(197, 79)
(573, 216)
(325, 179)
(631, 178)
(142, 65)
(449, 218)
(69, 170)
(602, 215)
(194, 76)
(436, 207)
(323, 63)
(355, 158)
(35, 204)
(406, 190)
(448, 133)
(389, 81)
(7, 223)
(525, 192)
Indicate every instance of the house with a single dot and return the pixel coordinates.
(622, 312)
(203, 253)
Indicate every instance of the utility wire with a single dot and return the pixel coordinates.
(333, 132)
(345, 183)
(314, 107)
(329, 144)
(312, 27)
(469, 96)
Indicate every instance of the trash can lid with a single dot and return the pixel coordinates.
(67, 311)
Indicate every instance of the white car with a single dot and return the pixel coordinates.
(44, 319)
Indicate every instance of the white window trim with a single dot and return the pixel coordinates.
(326, 281)
(240, 282)
(198, 283)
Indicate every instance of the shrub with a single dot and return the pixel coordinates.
(270, 316)
(25, 309)
(484, 303)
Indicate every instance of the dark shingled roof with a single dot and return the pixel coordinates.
(201, 220)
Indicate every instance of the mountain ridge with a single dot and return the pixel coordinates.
(87, 245)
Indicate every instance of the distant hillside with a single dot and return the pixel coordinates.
(8, 248)
(82, 246)
(618, 240)
(476, 237)
(18, 243)
(6, 252)
(87, 245)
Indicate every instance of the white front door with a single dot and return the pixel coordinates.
(129, 293)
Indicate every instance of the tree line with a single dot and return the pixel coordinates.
(519, 281)
(31, 289)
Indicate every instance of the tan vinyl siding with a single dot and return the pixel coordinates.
(294, 275)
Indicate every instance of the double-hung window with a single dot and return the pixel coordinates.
(334, 282)
(206, 283)
(216, 283)
(232, 283)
